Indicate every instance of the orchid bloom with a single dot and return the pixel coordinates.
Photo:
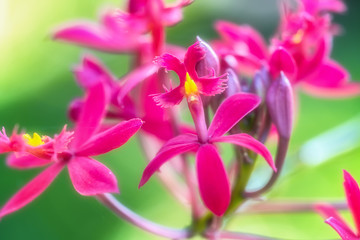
(73, 150)
(333, 218)
(121, 31)
(212, 178)
(190, 83)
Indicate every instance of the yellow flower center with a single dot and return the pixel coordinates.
(34, 141)
(190, 86)
(298, 36)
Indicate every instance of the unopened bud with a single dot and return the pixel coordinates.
(210, 65)
(261, 83)
(279, 101)
(233, 83)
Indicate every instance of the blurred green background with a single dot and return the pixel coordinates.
(36, 85)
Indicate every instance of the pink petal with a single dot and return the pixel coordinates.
(329, 75)
(111, 138)
(91, 177)
(86, 34)
(172, 16)
(193, 55)
(213, 180)
(91, 71)
(176, 146)
(172, 63)
(24, 161)
(341, 229)
(231, 111)
(351, 89)
(91, 115)
(31, 190)
(281, 60)
(170, 98)
(327, 211)
(352, 192)
(134, 78)
(244, 34)
(247, 141)
(212, 86)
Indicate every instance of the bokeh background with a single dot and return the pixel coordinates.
(36, 85)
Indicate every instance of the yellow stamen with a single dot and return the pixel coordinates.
(33, 141)
(298, 36)
(190, 86)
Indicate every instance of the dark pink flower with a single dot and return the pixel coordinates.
(190, 82)
(121, 31)
(213, 180)
(352, 193)
(73, 150)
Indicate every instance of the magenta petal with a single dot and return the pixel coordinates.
(91, 115)
(176, 146)
(231, 111)
(193, 55)
(281, 60)
(170, 98)
(247, 141)
(134, 78)
(341, 229)
(111, 138)
(327, 211)
(328, 75)
(172, 63)
(24, 161)
(213, 180)
(350, 89)
(91, 177)
(212, 86)
(86, 34)
(352, 192)
(31, 190)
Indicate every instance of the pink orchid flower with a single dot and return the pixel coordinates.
(73, 150)
(333, 218)
(212, 177)
(190, 82)
(121, 31)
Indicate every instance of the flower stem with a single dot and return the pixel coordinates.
(120, 210)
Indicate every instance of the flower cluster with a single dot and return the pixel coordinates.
(236, 89)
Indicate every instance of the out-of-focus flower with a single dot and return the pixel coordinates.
(190, 82)
(121, 31)
(332, 217)
(212, 177)
(73, 150)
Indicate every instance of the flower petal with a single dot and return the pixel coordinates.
(352, 192)
(175, 146)
(91, 115)
(172, 63)
(212, 86)
(134, 78)
(111, 138)
(194, 54)
(247, 141)
(170, 98)
(231, 111)
(31, 190)
(281, 60)
(243, 34)
(327, 211)
(24, 161)
(213, 180)
(341, 229)
(351, 89)
(91, 177)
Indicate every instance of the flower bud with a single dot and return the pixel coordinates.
(210, 65)
(261, 83)
(75, 109)
(233, 84)
(279, 101)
